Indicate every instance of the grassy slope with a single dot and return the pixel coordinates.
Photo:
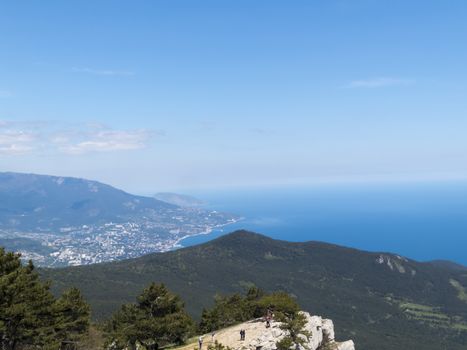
(363, 297)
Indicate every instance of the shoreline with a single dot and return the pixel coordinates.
(210, 230)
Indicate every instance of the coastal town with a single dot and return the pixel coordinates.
(109, 241)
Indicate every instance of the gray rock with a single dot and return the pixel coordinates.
(320, 330)
(328, 330)
(347, 345)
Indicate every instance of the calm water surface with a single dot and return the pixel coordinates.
(420, 221)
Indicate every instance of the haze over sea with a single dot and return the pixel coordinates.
(422, 221)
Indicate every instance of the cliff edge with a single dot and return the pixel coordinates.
(260, 337)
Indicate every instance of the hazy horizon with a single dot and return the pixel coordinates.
(341, 123)
(171, 95)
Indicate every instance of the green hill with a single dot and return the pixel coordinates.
(380, 300)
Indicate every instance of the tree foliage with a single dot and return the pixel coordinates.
(235, 308)
(29, 314)
(72, 315)
(327, 279)
(294, 325)
(158, 318)
(281, 303)
(287, 311)
(231, 309)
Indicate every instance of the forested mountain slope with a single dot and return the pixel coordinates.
(381, 300)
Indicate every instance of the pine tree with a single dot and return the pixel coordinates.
(293, 322)
(253, 296)
(287, 311)
(294, 325)
(157, 319)
(281, 303)
(71, 316)
(123, 328)
(210, 320)
(29, 314)
(234, 308)
(231, 309)
(25, 304)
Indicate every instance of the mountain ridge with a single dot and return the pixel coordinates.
(51, 201)
(371, 296)
(181, 200)
(58, 221)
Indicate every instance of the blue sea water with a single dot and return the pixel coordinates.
(422, 221)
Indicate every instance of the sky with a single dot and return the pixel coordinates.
(175, 94)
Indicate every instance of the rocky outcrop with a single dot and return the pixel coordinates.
(395, 263)
(258, 337)
(347, 345)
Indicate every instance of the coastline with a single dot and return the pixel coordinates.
(178, 243)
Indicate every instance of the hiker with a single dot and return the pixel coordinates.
(268, 318)
(200, 342)
(241, 334)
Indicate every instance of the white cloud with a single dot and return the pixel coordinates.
(379, 82)
(103, 72)
(106, 141)
(38, 138)
(16, 142)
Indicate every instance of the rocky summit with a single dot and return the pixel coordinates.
(260, 337)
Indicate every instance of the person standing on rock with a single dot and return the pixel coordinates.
(200, 342)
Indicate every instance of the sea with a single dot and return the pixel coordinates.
(421, 221)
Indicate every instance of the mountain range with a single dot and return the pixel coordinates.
(380, 300)
(30, 201)
(179, 199)
(59, 221)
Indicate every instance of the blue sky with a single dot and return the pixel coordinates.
(167, 95)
